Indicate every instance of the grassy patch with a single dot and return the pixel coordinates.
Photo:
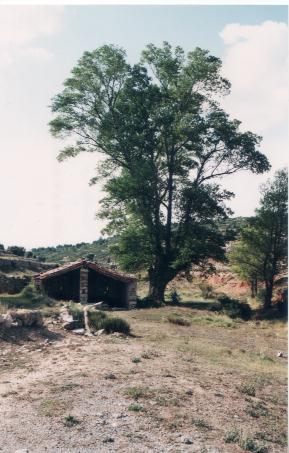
(135, 407)
(139, 392)
(248, 389)
(50, 407)
(28, 298)
(178, 321)
(70, 421)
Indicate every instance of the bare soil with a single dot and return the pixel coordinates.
(166, 388)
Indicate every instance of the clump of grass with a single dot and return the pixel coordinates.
(135, 407)
(202, 424)
(232, 437)
(110, 376)
(139, 392)
(257, 410)
(136, 360)
(247, 443)
(70, 421)
(248, 389)
(111, 325)
(149, 354)
(28, 298)
(178, 321)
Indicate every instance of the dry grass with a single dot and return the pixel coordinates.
(204, 379)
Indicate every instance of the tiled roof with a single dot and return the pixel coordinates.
(88, 264)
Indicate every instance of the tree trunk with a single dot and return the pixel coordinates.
(158, 280)
(268, 294)
(254, 288)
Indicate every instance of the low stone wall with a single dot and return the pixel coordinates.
(10, 264)
(12, 284)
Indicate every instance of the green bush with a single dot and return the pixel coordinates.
(111, 325)
(206, 290)
(174, 297)
(146, 302)
(27, 298)
(234, 308)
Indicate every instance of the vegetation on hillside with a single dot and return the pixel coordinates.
(98, 251)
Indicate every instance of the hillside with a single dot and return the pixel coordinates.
(100, 248)
(68, 252)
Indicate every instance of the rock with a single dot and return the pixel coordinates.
(6, 320)
(187, 440)
(280, 354)
(79, 331)
(99, 332)
(70, 325)
(27, 318)
(24, 450)
(107, 440)
(65, 316)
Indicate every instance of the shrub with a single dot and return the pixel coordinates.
(232, 437)
(174, 297)
(96, 319)
(146, 302)
(178, 321)
(248, 389)
(136, 360)
(234, 308)
(111, 325)
(15, 250)
(135, 407)
(70, 421)
(206, 290)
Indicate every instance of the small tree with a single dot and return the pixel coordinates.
(262, 250)
(166, 143)
(16, 250)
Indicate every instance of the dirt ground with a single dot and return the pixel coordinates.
(166, 388)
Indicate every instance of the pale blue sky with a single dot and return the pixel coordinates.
(46, 203)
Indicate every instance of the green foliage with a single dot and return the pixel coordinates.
(234, 308)
(27, 298)
(135, 407)
(261, 252)
(100, 249)
(174, 297)
(146, 302)
(111, 325)
(70, 421)
(248, 389)
(165, 140)
(232, 436)
(16, 250)
(206, 290)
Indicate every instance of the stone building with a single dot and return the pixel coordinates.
(87, 282)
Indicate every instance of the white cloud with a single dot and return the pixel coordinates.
(21, 25)
(256, 63)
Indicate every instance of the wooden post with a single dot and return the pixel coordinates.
(83, 285)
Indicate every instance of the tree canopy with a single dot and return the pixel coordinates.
(166, 143)
(261, 252)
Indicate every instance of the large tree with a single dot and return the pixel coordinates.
(261, 252)
(166, 143)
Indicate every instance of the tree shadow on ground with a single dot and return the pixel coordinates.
(19, 335)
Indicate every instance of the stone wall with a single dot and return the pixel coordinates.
(10, 284)
(10, 264)
(131, 294)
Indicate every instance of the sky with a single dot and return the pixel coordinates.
(44, 202)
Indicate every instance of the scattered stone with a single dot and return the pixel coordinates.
(189, 392)
(99, 332)
(70, 325)
(79, 331)
(187, 440)
(27, 318)
(108, 440)
(280, 354)
(24, 450)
